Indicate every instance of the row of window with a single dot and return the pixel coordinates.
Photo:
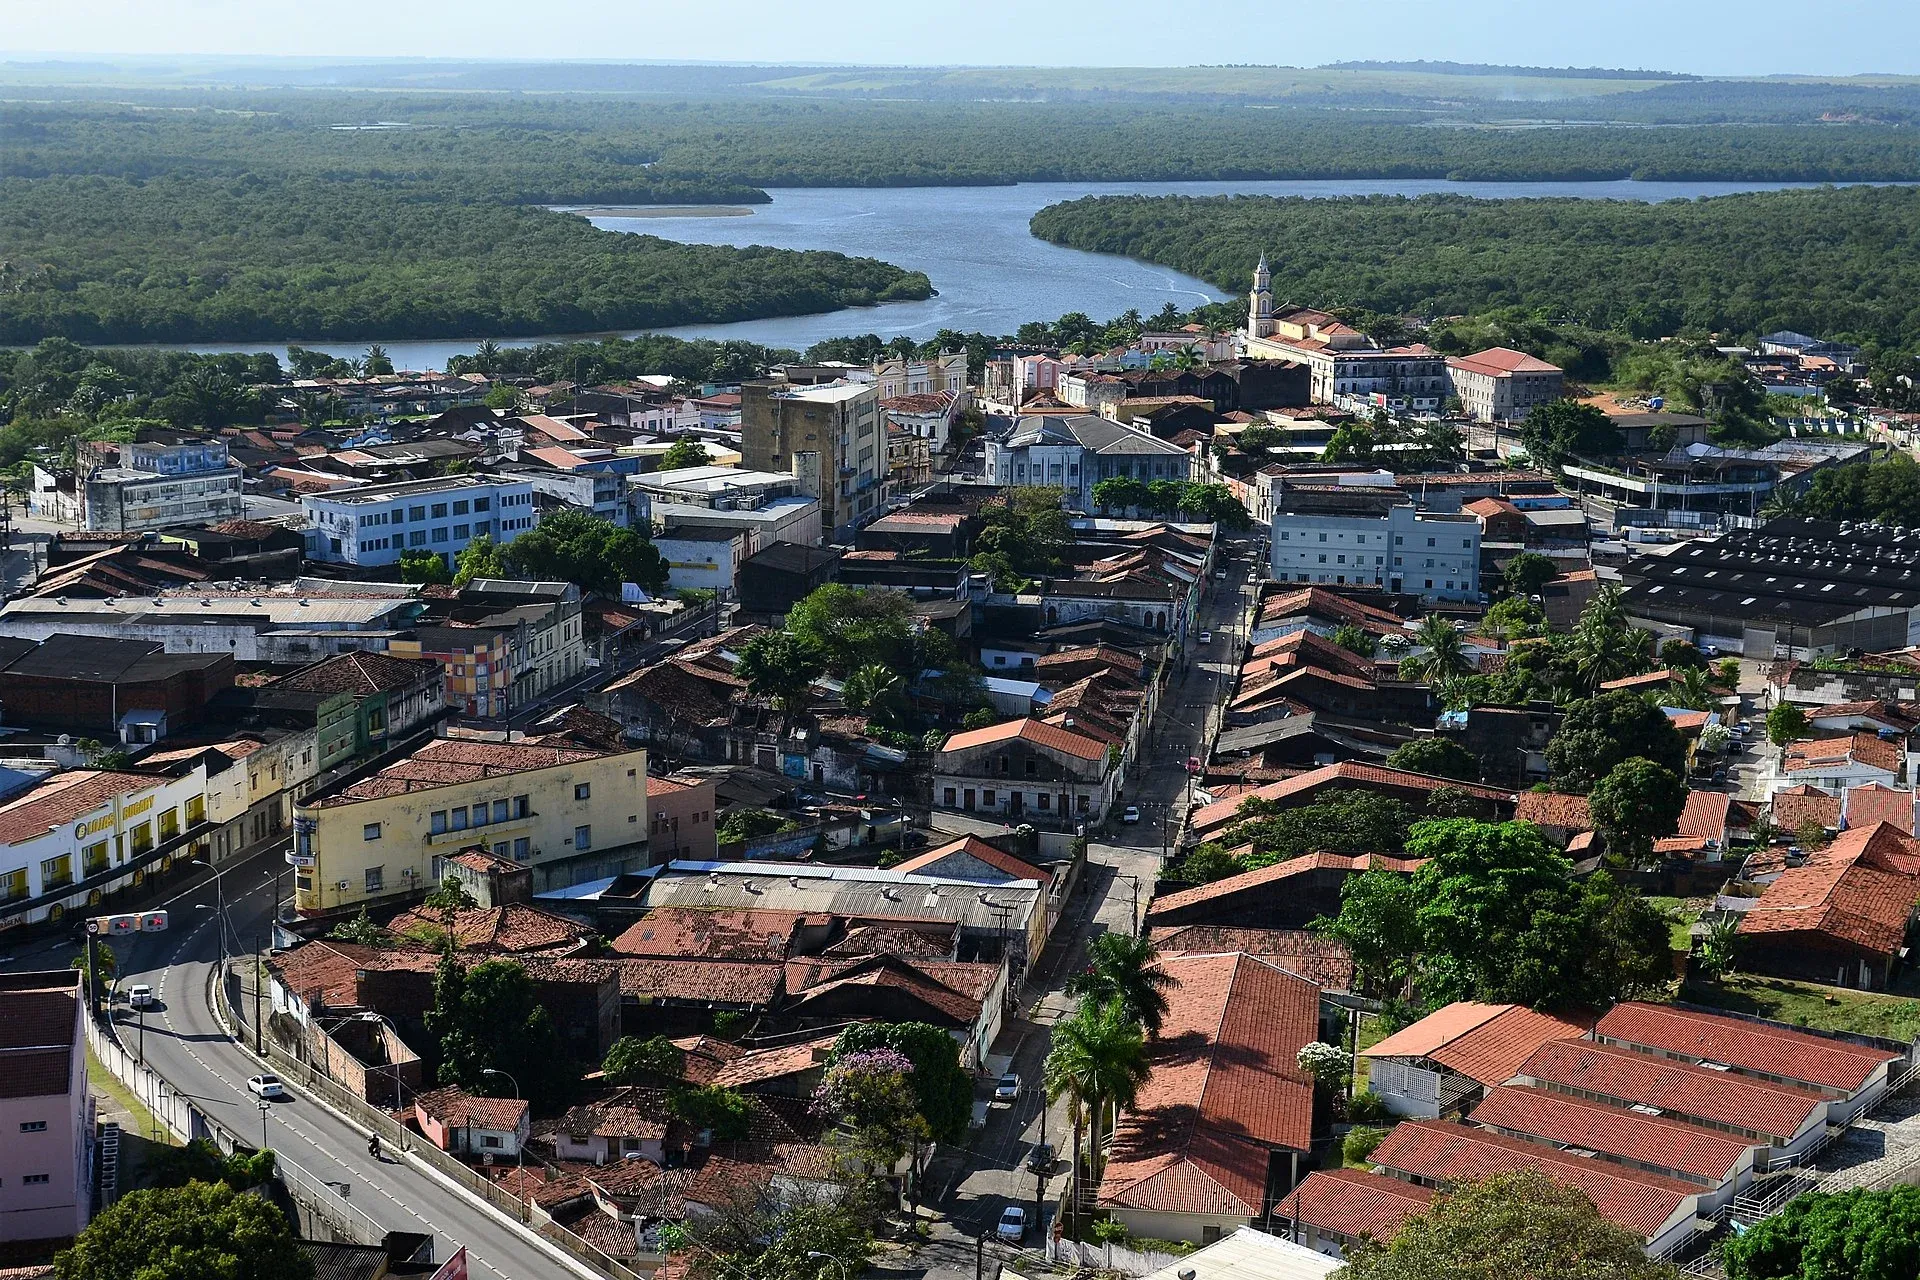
(1042, 800)
(1399, 540)
(400, 515)
(1398, 561)
(1340, 579)
(419, 537)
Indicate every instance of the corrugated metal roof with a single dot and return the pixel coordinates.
(848, 891)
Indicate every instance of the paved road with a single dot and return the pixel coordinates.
(971, 1187)
(186, 1045)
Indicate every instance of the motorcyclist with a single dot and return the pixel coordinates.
(373, 1146)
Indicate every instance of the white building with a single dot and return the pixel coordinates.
(1346, 365)
(703, 559)
(1501, 384)
(373, 524)
(1076, 453)
(274, 627)
(766, 506)
(1376, 538)
(830, 435)
(84, 833)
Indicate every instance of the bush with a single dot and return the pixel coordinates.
(1360, 1143)
(1367, 1107)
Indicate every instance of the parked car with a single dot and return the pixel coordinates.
(1040, 1159)
(268, 1087)
(1130, 814)
(1206, 637)
(1013, 1224)
(1008, 1089)
(140, 996)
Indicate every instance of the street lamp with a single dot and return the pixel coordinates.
(265, 1107)
(827, 1257)
(220, 906)
(519, 1151)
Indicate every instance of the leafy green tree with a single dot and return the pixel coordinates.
(570, 545)
(726, 1112)
(200, 1161)
(481, 558)
(1637, 803)
(1360, 1144)
(1342, 820)
(1350, 442)
(1605, 647)
(1514, 617)
(1436, 756)
(1029, 527)
(1379, 922)
(359, 929)
(491, 1017)
(1123, 971)
(872, 1094)
(1520, 1224)
(1598, 733)
(1562, 429)
(1119, 493)
(748, 824)
(105, 965)
(1692, 688)
(1214, 504)
(851, 627)
(192, 1232)
(450, 895)
(686, 452)
(1857, 1234)
(1680, 655)
(1719, 948)
(1786, 722)
(1355, 640)
(631, 1060)
(781, 667)
(1097, 1060)
(944, 1089)
(1206, 863)
(874, 691)
(1527, 572)
(424, 567)
(756, 1238)
(1446, 656)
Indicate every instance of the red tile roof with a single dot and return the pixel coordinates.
(706, 981)
(1484, 1042)
(1499, 362)
(974, 847)
(1861, 890)
(1038, 732)
(1325, 962)
(1653, 1141)
(39, 1034)
(358, 672)
(1651, 680)
(1444, 1152)
(1681, 1089)
(456, 1108)
(1280, 871)
(690, 932)
(1746, 1046)
(1705, 817)
(759, 1066)
(1795, 807)
(513, 927)
(1367, 776)
(810, 981)
(1553, 809)
(1351, 1203)
(64, 797)
(1860, 748)
(1224, 1089)
(449, 761)
(1864, 806)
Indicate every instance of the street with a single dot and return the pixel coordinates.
(969, 1187)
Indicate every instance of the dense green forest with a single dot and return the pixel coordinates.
(1831, 261)
(185, 259)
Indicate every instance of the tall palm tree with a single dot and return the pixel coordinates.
(873, 690)
(1121, 970)
(486, 356)
(1693, 690)
(1098, 1060)
(1446, 657)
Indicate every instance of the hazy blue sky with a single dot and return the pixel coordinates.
(1706, 36)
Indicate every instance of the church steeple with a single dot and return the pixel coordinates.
(1260, 302)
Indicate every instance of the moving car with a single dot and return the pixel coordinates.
(1040, 1159)
(1130, 814)
(268, 1087)
(140, 996)
(1008, 1089)
(1206, 637)
(1013, 1224)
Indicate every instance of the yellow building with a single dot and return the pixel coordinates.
(570, 813)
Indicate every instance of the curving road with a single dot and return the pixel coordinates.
(187, 1046)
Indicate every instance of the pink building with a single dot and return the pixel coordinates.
(46, 1115)
(1037, 373)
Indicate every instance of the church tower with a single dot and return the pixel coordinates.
(1260, 310)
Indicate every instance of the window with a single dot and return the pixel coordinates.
(418, 538)
(987, 796)
(522, 849)
(1083, 801)
(499, 810)
(520, 806)
(461, 532)
(375, 878)
(483, 504)
(35, 1179)
(581, 790)
(439, 511)
(482, 528)
(582, 838)
(440, 534)
(437, 821)
(488, 1140)
(1042, 800)
(1429, 583)
(480, 814)
(1033, 767)
(33, 1126)
(1429, 541)
(1323, 557)
(460, 507)
(370, 832)
(419, 513)
(948, 801)
(1323, 537)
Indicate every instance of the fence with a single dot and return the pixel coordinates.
(398, 1137)
(1109, 1257)
(176, 1113)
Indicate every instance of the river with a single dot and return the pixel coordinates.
(992, 275)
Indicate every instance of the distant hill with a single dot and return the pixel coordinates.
(1425, 67)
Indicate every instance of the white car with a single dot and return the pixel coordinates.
(140, 996)
(1130, 814)
(1206, 637)
(268, 1087)
(1013, 1224)
(1008, 1089)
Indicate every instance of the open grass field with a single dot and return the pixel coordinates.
(1808, 1004)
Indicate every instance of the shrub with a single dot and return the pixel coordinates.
(1366, 1107)
(1360, 1144)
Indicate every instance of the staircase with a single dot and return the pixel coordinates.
(107, 1161)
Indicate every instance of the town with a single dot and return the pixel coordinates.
(1169, 809)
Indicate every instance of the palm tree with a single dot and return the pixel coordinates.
(486, 357)
(1098, 1060)
(1446, 657)
(1121, 971)
(376, 361)
(872, 690)
(1693, 690)
(1189, 358)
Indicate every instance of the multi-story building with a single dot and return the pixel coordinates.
(476, 660)
(1028, 771)
(46, 1113)
(1076, 453)
(1501, 384)
(1344, 363)
(167, 480)
(831, 436)
(503, 644)
(1368, 536)
(568, 813)
(576, 481)
(79, 835)
(373, 524)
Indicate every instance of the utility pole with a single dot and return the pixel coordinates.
(980, 1255)
(259, 981)
(1040, 1168)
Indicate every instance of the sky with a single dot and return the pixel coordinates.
(1709, 37)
